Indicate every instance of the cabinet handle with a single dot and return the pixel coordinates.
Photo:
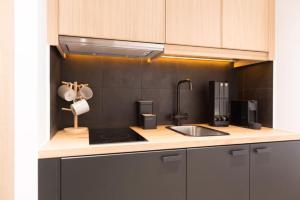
(262, 150)
(236, 153)
(172, 158)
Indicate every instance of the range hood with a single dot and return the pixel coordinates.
(91, 46)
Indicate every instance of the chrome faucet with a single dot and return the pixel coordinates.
(178, 116)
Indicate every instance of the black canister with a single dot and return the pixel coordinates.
(149, 121)
(144, 107)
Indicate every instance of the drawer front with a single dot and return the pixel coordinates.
(159, 175)
(215, 173)
(275, 171)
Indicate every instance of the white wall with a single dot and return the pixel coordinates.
(31, 93)
(287, 66)
(43, 75)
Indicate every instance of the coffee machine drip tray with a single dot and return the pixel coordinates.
(113, 135)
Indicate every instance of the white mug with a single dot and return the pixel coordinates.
(66, 93)
(80, 107)
(86, 92)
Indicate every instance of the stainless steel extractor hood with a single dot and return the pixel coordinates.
(91, 46)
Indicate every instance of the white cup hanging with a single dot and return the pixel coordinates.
(86, 92)
(80, 107)
(67, 93)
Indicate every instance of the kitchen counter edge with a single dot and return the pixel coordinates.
(66, 145)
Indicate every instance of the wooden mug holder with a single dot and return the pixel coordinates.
(75, 129)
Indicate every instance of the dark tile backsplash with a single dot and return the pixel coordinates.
(163, 102)
(118, 83)
(55, 59)
(255, 82)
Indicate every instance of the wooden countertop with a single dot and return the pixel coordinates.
(64, 145)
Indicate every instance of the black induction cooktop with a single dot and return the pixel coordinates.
(113, 135)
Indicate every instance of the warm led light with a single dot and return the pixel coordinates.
(195, 58)
(90, 56)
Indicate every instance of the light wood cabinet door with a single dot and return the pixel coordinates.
(193, 22)
(246, 24)
(133, 20)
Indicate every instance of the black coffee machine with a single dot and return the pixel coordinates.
(245, 113)
(218, 103)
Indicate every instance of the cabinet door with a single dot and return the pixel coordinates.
(49, 179)
(193, 22)
(138, 176)
(134, 20)
(216, 173)
(246, 24)
(275, 170)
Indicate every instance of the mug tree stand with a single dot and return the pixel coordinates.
(76, 129)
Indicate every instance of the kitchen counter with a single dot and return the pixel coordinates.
(64, 145)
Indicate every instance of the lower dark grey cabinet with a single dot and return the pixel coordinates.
(49, 179)
(264, 171)
(275, 171)
(216, 173)
(158, 175)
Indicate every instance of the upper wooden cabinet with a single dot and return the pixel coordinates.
(246, 24)
(134, 20)
(233, 29)
(227, 24)
(193, 22)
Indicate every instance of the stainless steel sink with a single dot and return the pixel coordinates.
(196, 131)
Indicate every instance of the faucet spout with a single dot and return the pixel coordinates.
(179, 116)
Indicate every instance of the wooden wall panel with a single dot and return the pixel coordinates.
(52, 22)
(6, 100)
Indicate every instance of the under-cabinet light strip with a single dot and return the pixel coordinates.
(195, 58)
